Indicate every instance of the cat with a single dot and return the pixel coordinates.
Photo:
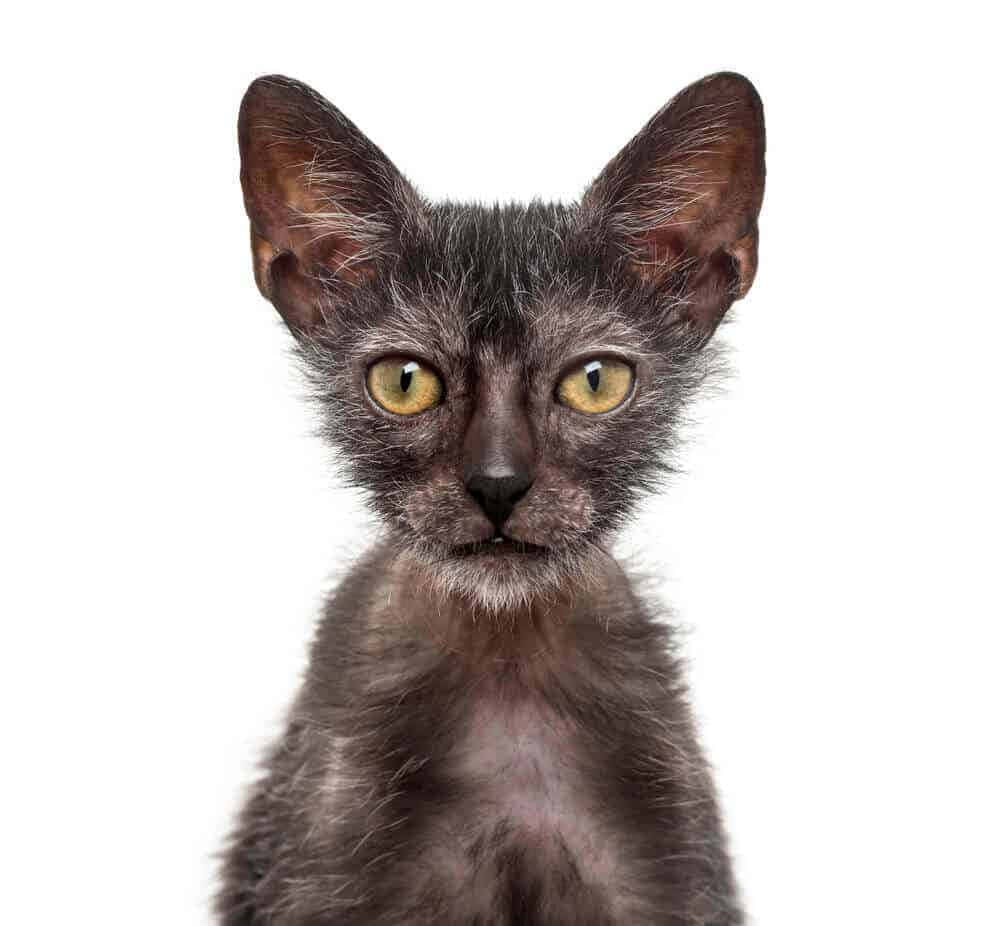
(493, 728)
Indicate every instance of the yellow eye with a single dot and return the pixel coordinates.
(404, 385)
(599, 385)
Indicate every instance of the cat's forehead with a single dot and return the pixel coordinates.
(493, 240)
(488, 283)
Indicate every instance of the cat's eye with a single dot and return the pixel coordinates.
(596, 386)
(403, 385)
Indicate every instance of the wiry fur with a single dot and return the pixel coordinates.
(514, 290)
(504, 739)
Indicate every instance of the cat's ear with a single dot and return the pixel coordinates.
(327, 208)
(679, 203)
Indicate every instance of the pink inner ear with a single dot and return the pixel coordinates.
(294, 211)
(712, 282)
(325, 205)
(744, 252)
(263, 253)
(301, 231)
(681, 199)
(707, 199)
(296, 295)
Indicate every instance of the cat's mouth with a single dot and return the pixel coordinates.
(498, 546)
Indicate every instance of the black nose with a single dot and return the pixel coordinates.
(497, 495)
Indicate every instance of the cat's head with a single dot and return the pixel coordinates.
(504, 381)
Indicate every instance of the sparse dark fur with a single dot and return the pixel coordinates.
(494, 739)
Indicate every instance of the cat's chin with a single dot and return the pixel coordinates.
(506, 575)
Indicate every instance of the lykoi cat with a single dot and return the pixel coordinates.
(493, 728)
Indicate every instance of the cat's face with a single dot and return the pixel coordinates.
(503, 400)
(504, 381)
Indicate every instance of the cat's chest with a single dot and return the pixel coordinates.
(527, 825)
(521, 764)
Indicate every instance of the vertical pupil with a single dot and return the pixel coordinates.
(593, 371)
(406, 375)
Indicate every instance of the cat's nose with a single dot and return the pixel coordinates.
(498, 454)
(498, 494)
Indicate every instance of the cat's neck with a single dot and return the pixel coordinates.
(406, 602)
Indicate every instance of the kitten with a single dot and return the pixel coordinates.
(493, 727)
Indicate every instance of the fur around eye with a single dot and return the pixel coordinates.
(598, 385)
(404, 386)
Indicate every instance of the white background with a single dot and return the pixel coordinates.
(169, 524)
